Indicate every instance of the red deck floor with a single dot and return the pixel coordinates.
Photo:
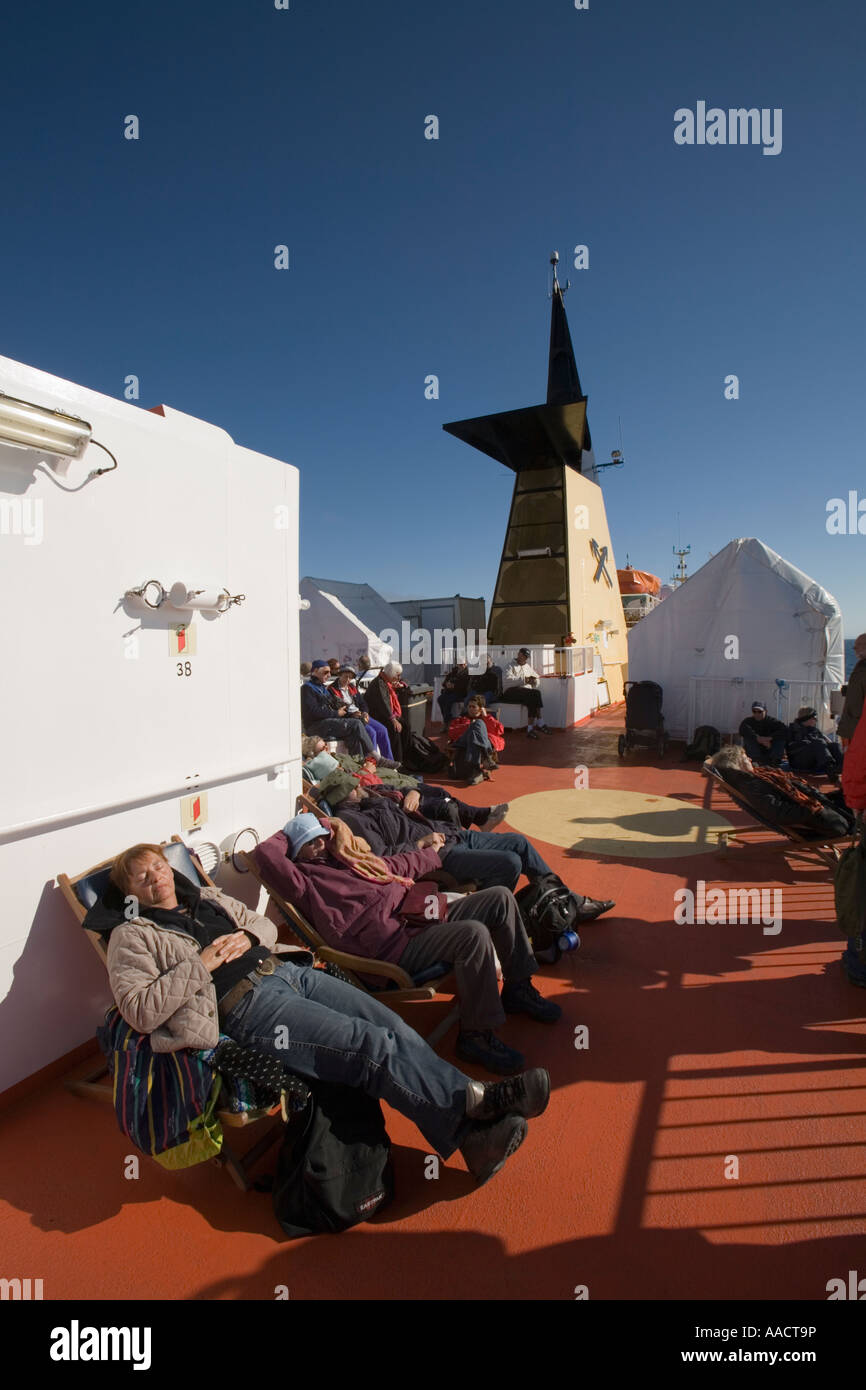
(706, 1044)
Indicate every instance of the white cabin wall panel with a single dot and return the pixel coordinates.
(53, 989)
(85, 726)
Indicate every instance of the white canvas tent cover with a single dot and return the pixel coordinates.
(788, 629)
(344, 620)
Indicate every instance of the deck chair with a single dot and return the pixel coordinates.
(792, 841)
(81, 892)
(400, 987)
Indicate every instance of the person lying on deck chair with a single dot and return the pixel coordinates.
(412, 795)
(489, 860)
(781, 798)
(193, 961)
(374, 908)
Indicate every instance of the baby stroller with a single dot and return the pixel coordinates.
(644, 722)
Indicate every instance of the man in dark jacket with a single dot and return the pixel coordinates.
(455, 687)
(809, 750)
(854, 697)
(383, 696)
(764, 738)
(468, 855)
(322, 714)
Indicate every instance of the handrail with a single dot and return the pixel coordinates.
(184, 788)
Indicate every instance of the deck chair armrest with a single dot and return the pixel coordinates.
(365, 966)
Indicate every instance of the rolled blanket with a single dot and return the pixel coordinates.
(358, 855)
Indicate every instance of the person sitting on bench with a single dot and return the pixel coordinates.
(322, 712)
(384, 697)
(810, 750)
(782, 799)
(477, 737)
(345, 689)
(190, 962)
(521, 688)
(455, 687)
(764, 738)
(371, 907)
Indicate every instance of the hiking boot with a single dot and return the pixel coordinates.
(532, 733)
(592, 908)
(521, 997)
(525, 1095)
(487, 1146)
(489, 1051)
(496, 816)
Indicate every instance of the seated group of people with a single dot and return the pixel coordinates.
(519, 686)
(333, 707)
(769, 742)
(380, 877)
(378, 872)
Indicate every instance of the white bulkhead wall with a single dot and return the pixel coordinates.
(103, 727)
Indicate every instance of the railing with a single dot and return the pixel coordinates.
(158, 791)
(547, 660)
(726, 703)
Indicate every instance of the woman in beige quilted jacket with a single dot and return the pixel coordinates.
(185, 963)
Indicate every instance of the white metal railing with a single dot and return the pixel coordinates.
(188, 787)
(547, 659)
(726, 703)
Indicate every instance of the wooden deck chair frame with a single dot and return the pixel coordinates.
(93, 1084)
(405, 991)
(791, 841)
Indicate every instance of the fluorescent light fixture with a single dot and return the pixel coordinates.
(530, 554)
(33, 427)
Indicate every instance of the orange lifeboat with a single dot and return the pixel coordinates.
(632, 581)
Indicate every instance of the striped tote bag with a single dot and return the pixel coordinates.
(165, 1102)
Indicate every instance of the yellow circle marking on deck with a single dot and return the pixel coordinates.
(631, 825)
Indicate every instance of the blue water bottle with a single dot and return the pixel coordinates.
(569, 941)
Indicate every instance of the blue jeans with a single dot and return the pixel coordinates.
(471, 746)
(851, 962)
(334, 1032)
(493, 860)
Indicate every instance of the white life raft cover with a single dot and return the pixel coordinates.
(746, 626)
(345, 620)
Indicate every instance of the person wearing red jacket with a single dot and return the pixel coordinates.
(477, 737)
(854, 769)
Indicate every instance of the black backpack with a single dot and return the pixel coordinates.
(548, 909)
(420, 755)
(334, 1168)
(705, 743)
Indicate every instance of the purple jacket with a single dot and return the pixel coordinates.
(349, 912)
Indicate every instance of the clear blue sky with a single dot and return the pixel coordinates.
(411, 256)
